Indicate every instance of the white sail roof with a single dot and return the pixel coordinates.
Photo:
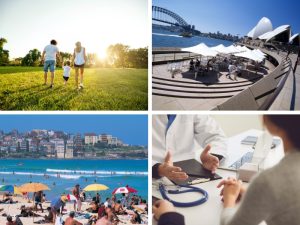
(294, 37)
(262, 27)
(269, 35)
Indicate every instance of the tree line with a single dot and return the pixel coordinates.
(118, 55)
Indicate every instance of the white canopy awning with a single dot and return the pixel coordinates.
(243, 48)
(259, 53)
(201, 49)
(219, 48)
(232, 49)
(253, 55)
(239, 51)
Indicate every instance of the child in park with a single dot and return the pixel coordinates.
(67, 71)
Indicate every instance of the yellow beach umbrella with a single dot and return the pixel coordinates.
(33, 187)
(17, 190)
(96, 187)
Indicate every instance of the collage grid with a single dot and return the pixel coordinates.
(160, 112)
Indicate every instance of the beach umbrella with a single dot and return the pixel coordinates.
(10, 188)
(124, 190)
(7, 188)
(71, 198)
(33, 187)
(96, 187)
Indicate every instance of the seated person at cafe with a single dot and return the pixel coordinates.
(197, 64)
(192, 63)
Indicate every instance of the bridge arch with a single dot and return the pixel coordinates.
(179, 20)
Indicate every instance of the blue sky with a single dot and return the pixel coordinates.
(28, 24)
(234, 16)
(132, 129)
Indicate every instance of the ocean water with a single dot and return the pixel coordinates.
(167, 39)
(112, 173)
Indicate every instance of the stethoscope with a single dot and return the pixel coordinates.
(200, 201)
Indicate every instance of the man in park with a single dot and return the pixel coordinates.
(49, 59)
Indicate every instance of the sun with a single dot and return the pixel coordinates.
(101, 54)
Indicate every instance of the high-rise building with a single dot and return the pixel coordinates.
(90, 138)
(78, 145)
(59, 147)
(48, 148)
(113, 141)
(69, 149)
(105, 138)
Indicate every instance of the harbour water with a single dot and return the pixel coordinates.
(62, 175)
(167, 39)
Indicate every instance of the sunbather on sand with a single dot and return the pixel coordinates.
(7, 199)
(71, 221)
(49, 217)
(136, 218)
(11, 222)
(93, 207)
(118, 208)
(27, 212)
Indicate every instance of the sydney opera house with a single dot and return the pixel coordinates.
(263, 65)
(283, 34)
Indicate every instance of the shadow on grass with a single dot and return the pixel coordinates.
(26, 99)
(63, 104)
(7, 91)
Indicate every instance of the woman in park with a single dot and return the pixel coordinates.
(79, 59)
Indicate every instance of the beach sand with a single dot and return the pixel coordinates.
(14, 209)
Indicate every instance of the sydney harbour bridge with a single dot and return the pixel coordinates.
(166, 16)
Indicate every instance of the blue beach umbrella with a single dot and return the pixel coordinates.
(7, 188)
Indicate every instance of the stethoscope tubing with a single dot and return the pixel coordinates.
(202, 200)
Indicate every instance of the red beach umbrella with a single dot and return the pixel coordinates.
(124, 190)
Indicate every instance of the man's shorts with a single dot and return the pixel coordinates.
(49, 64)
(79, 66)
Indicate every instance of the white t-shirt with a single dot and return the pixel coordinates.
(50, 52)
(67, 71)
(106, 204)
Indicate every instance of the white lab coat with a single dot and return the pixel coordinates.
(184, 136)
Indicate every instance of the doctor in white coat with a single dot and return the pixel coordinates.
(177, 137)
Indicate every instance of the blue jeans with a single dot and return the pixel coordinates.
(49, 64)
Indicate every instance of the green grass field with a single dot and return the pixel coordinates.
(21, 88)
